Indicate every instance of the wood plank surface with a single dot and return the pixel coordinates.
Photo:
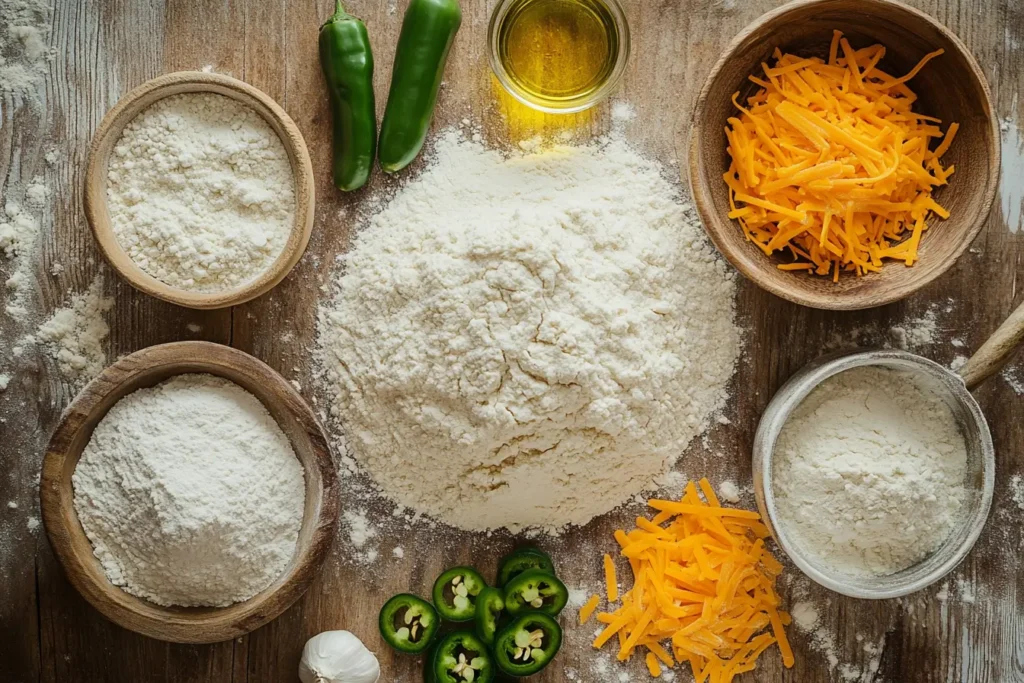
(103, 48)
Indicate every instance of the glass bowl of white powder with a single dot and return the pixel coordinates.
(874, 471)
(199, 190)
(189, 493)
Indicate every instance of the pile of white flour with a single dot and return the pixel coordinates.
(528, 342)
(190, 493)
(74, 335)
(201, 192)
(869, 471)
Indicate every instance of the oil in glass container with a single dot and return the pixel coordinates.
(558, 52)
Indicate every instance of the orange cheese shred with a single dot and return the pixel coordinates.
(703, 592)
(588, 608)
(830, 164)
(610, 580)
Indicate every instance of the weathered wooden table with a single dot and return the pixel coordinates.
(970, 630)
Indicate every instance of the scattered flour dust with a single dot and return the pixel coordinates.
(528, 341)
(201, 192)
(879, 452)
(73, 336)
(190, 493)
(24, 52)
(729, 491)
(19, 237)
(1017, 491)
(809, 620)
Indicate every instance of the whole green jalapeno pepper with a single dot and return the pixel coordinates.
(347, 63)
(428, 31)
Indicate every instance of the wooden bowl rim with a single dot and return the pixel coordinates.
(753, 269)
(109, 132)
(185, 624)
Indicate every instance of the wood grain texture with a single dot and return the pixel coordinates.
(149, 367)
(103, 48)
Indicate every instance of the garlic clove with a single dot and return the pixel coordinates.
(337, 657)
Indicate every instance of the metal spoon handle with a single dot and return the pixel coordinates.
(996, 350)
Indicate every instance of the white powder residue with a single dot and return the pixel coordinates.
(74, 335)
(1017, 491)
(190, 493)
(729, 491)
(19, 234)
(359, 528)
(915, 333)
(201, 192)
(879, 450)
(398, 552)
(5, 380)
(1013, 380)
(623, 112)
(966, 591)
(1011, 185)
(958, 362)
(527, 342)
(578, 597)
(24, 53)
(805, 616)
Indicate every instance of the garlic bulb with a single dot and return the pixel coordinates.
(337, 657)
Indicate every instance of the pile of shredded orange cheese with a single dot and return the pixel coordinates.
(830, 162)
(703, 590)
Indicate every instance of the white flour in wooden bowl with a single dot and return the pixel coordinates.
(528, 342)
(869, 472)
(190, 493)
(201, 192)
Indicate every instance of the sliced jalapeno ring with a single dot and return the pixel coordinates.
(408, 623)
(527, 645)
(455, 593)
(521, 560)
(461, 657)
(489, 606)
(535, 590)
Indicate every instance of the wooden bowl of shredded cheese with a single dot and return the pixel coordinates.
(844, 153)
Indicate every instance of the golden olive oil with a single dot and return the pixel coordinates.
(558, 50)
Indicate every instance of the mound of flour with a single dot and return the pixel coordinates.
(201, 192)
(190, 493)
(527, 342)
(869, 471)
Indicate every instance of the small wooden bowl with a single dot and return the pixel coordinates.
(109, 132)
(147, 368)
(951, 87)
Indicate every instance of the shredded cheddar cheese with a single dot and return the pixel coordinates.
(611, 582)
(831, 164)
(703, 590)
(589, 608)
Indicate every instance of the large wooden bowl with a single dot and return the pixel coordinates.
(147, 368)
(109, 132)
(951, 87)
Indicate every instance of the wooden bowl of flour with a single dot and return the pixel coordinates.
(107, 136)
(148, 368)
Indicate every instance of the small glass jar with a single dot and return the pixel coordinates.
(617, 30)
